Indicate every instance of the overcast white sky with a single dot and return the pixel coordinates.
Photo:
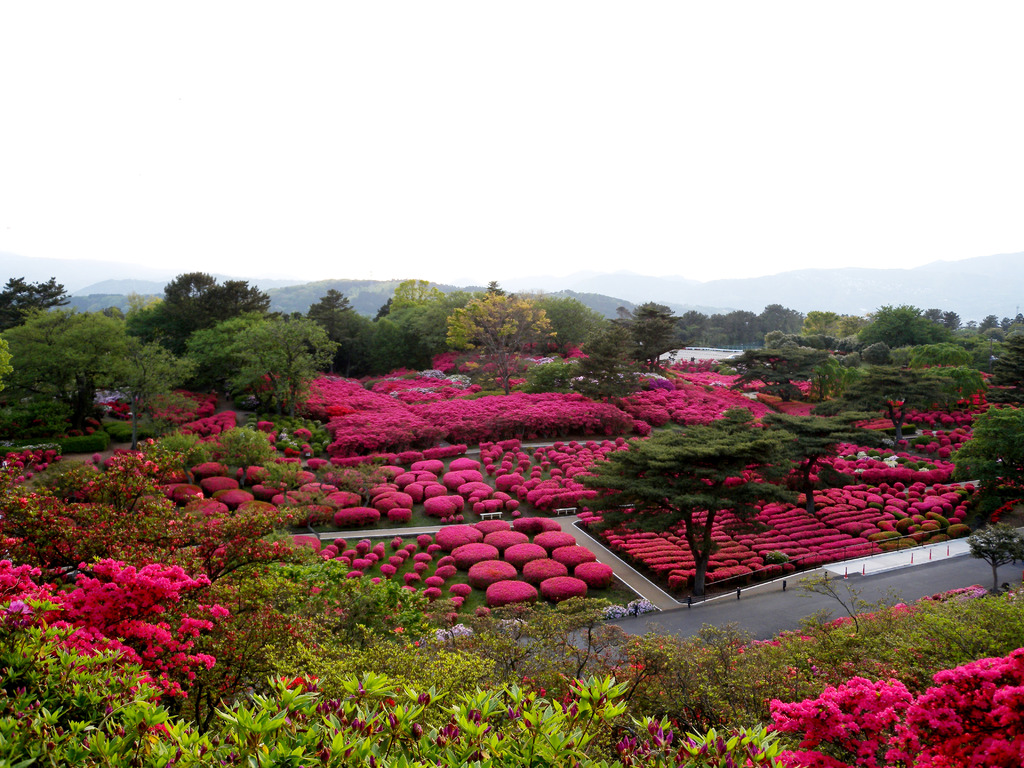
(473, 141)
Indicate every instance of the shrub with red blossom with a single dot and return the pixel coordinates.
(596, 575)
(464, 463)
(431, 593)
(559, 588)
(433, 466)
(481, 575)
(552, 540)
(209, 469)
(456, 535)
(508, 592)
(411, 578)
(443, 506)
(387, 570)
(433, 581)
(469, 554)
(534, 525)
(537, 571)
(356, 517)
(233, 498)
(211, 485)
(505, 539)
(490, 526)
(573, 555)
(460, 590)
(399, 515)
(520, 554)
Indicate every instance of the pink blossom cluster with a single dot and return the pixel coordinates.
(972, 716)
(688, 404)
(208, 427)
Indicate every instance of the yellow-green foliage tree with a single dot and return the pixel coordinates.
(501, 327)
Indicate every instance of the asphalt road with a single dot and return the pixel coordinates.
(767, 610)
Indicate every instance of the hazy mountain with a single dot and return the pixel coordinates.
(972, 287)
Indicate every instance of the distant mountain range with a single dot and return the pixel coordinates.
(973, 287)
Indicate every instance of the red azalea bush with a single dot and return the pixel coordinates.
(573, 555)
(399, 515)
(443, 506)
(481, 575)
(534, 525)
(520, 554)
(490, 526)
(470, 554)
(211, 485)
(559, 588)
(502, 540)
(356, 517)
(455, 536)
(509, 592)
(536, 571)
(596, 575)
(552, 540)
(234, 498)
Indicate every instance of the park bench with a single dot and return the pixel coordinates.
(565, 511)
(489, 515)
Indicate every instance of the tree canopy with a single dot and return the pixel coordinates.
(688, 476)
(501, 327)
(20, 298)
(902, 326)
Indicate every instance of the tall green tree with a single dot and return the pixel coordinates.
(891, 390)
(572, 322)
(501, 327)
(778, 369)
(1008, 370)
(810, 440)
(608, 370)
(652, 330)
(902, 326)
(20, 298)
(994, 456)
(280, 356)
(334, 313)
(196, 300)
(690, 476)
(145, 371)
(997, 545)
(66, 355)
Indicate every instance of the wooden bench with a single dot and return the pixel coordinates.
(565, 511)
(489, 515)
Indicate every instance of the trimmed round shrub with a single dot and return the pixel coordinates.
(520, 554)
(208, 469)
(422, 557)
(179, 493)
(462, 463)
(411, 579)
(505, 539)
(446, 560)
(356, 517)
(490, 526)
(537, 571)
(460, 590)
(534, 525)
(433, 490)
(387, 570)
(470, 554)
(211, 507)
(596, 575)
(433, 581)
(395, 500)
(572, 556)
(216, 483)
(456, 535)
(552, 540)
(344, 498)
(445, 571)
(443, 506)
(307, 541)
(486, 572)
(233, 498)
(431, 593)
(399, 515)
(434, 466)
(561, 588)
(509, 592)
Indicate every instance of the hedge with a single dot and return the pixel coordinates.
(97, 441)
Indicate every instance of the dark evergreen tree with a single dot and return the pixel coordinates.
(609, 370)
(778, 369)
(19, 298)
(689, 476)
(652, 330)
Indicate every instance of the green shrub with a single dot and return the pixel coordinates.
(121, 431)
(97, 441)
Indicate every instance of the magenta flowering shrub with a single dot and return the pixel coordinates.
(534, 525)
(552, 540)
(502, 540)
(211, 485)
(559, 588)
(520, 554)
(972, 716)
(460, 590)
(208, 469)
(573, 555)
(470, 554)
(481, 575)
(356, 517)
(536, 571)
(596, 575)
(443, 506)
(455, 536)
(490, 526)
(233, 498)
(399, 515)
(509, 592)
(688, 404)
